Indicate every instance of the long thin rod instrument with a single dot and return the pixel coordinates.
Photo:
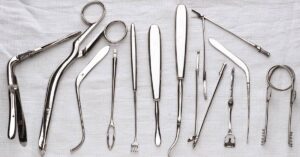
(257, 47)
(134, 144)
(210, 103)
(193, 138)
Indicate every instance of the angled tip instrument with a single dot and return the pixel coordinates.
(16, 115)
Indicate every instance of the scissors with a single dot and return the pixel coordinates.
(16, 115)
(76, 53)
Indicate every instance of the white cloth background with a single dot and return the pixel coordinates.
(273, 24)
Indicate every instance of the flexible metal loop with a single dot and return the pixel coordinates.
(109, 26)
(288, 69)
(96, 2)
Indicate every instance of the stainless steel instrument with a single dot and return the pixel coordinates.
(80, 77)
(16, 115)
(268, 98)
(193, 138)
(229, 141)
(210, 103)
(76, 53)
(134, 144)
(180, 43)
(111, 126)
(204, 79)
(243, 66)
(155, 72)
(257, 47)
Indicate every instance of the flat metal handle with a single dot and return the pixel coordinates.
(181, 39)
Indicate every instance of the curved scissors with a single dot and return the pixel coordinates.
(76, 53)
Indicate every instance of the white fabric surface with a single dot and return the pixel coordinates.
(273, 24)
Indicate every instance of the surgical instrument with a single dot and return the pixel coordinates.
(243, 66)
(204, 79)
(257, 47)
(271, 86)
(229, 141)
(56, 76)
(180, 52)
(80, 77)
(111, 125)
(155, 72)
(16, 115)
(193, 138)
(210, 103)
(134, 144)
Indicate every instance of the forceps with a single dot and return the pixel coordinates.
(56, 76)
(80, 77)
(16, 115)
(257, 47)
(243, 66)
(268, 98)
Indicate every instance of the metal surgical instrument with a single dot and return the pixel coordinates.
(229, 141)
(155, 72)
(16, 115)
(257, 47)
(204, 79)
(56, 76)
(243, 66)
(134, 144)
(268, 98)
(193, 138)
(210, 103)
(111, 125)
(180, 50)
(80, 77)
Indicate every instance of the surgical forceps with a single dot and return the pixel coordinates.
(268, 98)
(180, 44)
(210, 103)
(257, 47)
(80, 77)
(193, 138)
(243, 66)
(16, 115)
(56, 76)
